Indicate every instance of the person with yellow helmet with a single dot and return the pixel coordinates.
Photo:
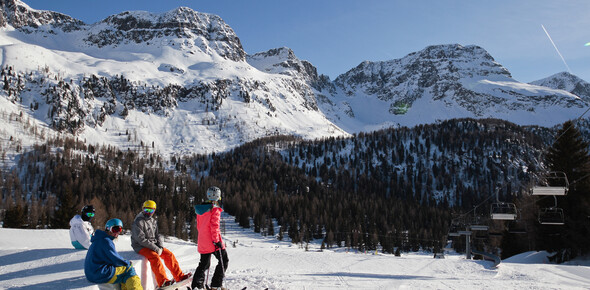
(147, 241)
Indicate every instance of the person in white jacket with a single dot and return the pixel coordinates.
(81, 229)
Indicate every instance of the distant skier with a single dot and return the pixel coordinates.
(81, 229)
(146, 240)
(210, 241)
(104, 265)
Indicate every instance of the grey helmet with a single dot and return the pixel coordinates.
(214, 193)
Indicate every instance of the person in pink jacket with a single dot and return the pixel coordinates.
(210, 241)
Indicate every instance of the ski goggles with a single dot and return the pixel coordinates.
(90, 214)
(148, 210)
(116, 229)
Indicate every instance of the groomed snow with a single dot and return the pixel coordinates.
(44, 259)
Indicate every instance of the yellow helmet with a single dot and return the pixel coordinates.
(149, 204)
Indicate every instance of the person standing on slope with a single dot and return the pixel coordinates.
(81, 229)
(210, 241)
(146, 240)
(103, 264)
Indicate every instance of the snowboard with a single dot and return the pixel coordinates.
(181, 285)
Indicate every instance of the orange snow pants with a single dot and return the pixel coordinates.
(158, 268)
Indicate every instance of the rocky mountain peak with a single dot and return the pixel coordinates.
(567, 82)
(284, 61)
(19, 15)
(182, 23)
(437, 67)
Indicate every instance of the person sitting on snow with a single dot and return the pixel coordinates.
(81, 229)
(146, 240)
(103, 263)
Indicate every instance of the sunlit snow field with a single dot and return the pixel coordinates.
(44, 259)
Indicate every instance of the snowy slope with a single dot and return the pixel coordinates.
(44, 259)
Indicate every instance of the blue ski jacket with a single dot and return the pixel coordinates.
(102, 258)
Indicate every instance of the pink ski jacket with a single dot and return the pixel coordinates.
(208, 227)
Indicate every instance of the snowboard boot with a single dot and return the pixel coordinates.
(167, 283)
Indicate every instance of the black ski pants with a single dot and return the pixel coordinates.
(204, 263)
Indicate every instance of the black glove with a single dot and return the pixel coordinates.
(217, 245)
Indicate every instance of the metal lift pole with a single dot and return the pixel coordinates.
(468, 246)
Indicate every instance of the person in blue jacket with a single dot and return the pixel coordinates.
(103, 263)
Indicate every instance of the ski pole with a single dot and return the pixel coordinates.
(221, 261)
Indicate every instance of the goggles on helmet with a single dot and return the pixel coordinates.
(116, 229)
(148, 210)
(90, 214)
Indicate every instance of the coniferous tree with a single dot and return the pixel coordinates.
(15, 217)
(569, 154)
(67, 210)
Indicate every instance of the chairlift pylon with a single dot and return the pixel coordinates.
(552, 183)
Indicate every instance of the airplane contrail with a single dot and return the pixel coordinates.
(568, 68)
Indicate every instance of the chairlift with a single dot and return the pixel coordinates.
(479, 220)
(455, 227)
(553, 183)
(551, 215)
(495, 234)
(478, 227)
(517, 227)
(503, 210)
(480, 234)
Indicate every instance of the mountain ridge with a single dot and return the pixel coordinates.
(180, 80)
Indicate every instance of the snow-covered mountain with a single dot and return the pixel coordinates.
(567, 82)
(180, 83)
(443, 82)
(177, 81)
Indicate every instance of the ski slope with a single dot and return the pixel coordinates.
(44, 259)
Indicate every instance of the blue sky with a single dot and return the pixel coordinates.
(337, 35)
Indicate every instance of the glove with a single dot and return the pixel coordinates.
(218, 245)
(159, 251)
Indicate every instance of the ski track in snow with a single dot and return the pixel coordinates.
(44, 259)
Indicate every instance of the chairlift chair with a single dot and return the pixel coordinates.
(503, 210)
(481, 235)
(517, 227)
(455, 227)
(551, 216)
(553, 183)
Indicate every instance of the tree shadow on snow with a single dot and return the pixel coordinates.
(34, 255)
(44, 270)
(372, 276)
(66, 283)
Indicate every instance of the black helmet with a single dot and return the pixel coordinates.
(87, 212)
